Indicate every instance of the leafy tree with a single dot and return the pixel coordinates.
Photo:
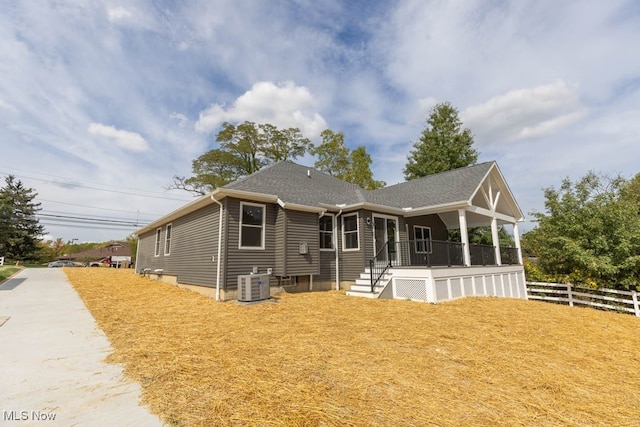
(590, 232)
(19, 227)
(482, 236)
(244, 149)
(351, 166)
(332, 154)
(359, 171)
(283, 144)
(132, 240)
(443, 145)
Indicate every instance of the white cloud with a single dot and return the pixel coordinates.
(7, 106)
(180, 118)
(118, 14)
(424, 108)
(131, 141)
(283, 105)
(525, 113)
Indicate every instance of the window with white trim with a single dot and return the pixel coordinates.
(252, 221)
(422, 236)
(167, 239)
(158, 235)
(326, 232)
(350, 236)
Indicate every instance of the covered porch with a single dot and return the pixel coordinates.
(447, 269)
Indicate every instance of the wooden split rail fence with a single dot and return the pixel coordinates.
(606, 299)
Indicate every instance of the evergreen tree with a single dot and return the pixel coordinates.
(19, 227)
(443, 145)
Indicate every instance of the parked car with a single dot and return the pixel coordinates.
(64, 263)
(105, 262)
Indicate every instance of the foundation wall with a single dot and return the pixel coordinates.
(302, 285)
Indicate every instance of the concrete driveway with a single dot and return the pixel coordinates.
(52, 369)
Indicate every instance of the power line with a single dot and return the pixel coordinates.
(51, 224)
(95, 207)
(78, 219)
(71, 179)
(97, 189)
(91, 216)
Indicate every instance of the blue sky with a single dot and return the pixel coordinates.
(122, 95)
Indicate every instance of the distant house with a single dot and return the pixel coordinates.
(118, 253)
(311, 231)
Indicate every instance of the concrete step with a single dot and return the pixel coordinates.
(363, 294)
(366, 288)
(367, 276)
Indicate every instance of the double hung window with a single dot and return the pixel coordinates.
(326, 232)
(167, 239)
(252, 221)
(158, 240)
(422, 236)
(350, 236)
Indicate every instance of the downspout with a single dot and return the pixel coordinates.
(311, 275)
(137, 254)
(219, 250)
(337, 254)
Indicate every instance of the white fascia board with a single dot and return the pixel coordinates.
(491, 214)
(511, 201)
(218, 194)
(364, 205)
(428, 210)
(407, 212)
(181, 211)
(221, 193)
(301, 208)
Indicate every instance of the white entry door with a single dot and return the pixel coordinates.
(386, 236)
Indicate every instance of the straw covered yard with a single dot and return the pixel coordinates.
(323, 359)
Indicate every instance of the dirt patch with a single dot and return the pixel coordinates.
(328, 359)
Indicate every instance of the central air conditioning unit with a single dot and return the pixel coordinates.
(253, 287)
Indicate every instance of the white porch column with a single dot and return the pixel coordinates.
(516, 239)
(496, 240)
(464, 237)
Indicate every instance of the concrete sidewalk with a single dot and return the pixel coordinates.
(52, 369)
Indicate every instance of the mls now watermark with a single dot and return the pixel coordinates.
(28, 416)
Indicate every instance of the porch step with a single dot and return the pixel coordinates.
(363, 294)
(366, 287)
(366, 275)
(362, 286)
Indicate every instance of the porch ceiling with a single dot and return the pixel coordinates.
(474, 219)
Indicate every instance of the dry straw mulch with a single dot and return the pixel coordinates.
(328, 359)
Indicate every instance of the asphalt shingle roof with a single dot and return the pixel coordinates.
(291, 183)
(303, 185)
(448, 187)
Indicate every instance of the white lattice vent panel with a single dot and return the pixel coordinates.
(414, 289)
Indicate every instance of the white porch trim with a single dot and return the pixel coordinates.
(516, 240)
(496, 240)
(464, 237)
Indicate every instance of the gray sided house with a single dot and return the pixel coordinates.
(310, 231)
